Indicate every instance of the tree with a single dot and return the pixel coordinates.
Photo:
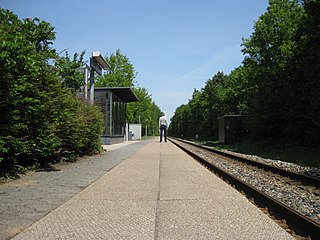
(277, 85)
(122, 73)
(180, 122)
(215, 103)
(269, 51)
(42, 121)
(200, 116)
(154, 118)
(28, 85)
(145, 110)
(235, 95)
(197, 110)
(140, 109)
(68, 70)
(304, 76)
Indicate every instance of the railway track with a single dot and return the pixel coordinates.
(287, 195)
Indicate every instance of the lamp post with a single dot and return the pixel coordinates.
(85, 70)
(97, 63)
(146, 127)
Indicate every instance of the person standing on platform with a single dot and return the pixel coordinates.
(163, 124)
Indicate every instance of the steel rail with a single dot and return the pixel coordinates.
(295, 220)
(293, 175)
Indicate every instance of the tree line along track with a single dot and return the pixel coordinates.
(288, 195)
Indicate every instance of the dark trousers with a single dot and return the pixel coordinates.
(163, 131)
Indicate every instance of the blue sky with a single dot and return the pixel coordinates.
(174, 45)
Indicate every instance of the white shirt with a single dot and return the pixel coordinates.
(162, 121)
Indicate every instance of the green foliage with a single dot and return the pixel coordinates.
(215, 98)
(180, 123)
(145, 110)
(42, 121)
(277, 85)
(122, 72)
(140, 109)
(26, 83)
(269, 51)
(304, 74)
(79, 127)
(304, 156)
(199, 116)
(68, 70)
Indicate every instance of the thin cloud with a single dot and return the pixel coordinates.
(207, 68)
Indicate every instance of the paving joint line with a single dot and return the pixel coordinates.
(156, 230)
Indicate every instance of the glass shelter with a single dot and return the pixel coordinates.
(112, 101)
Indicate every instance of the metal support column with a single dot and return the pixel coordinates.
(111, 110)
(86, 82)
(107, 112)
(92, 86)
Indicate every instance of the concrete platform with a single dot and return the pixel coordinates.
(159, 192)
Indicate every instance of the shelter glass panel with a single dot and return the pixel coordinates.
(118, 116)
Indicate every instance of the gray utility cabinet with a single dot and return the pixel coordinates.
(230, 130)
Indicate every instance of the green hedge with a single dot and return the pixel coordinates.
(79, 128)
(73, 128)
(42, 121)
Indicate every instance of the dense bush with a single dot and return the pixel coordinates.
(42, 121)
(79, 127)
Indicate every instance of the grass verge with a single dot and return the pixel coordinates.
(295, 154)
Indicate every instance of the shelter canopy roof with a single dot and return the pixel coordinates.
(124, 93)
